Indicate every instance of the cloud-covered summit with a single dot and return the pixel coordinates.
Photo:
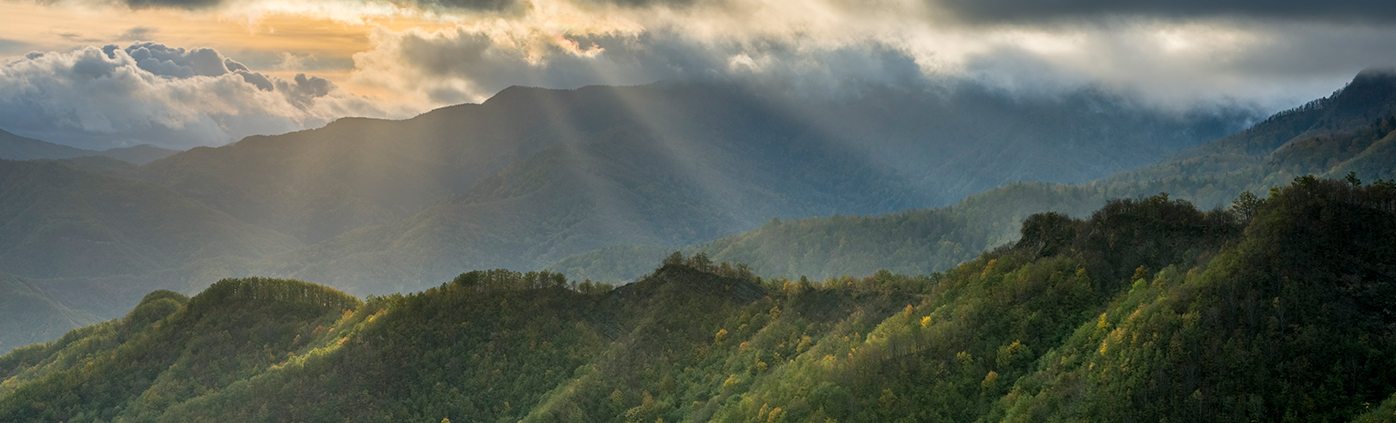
(154, 94)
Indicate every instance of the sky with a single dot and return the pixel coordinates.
(185, 73)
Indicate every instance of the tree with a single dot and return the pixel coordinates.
(1246, 205)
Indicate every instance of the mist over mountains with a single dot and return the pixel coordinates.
(536, 177)
(15, 147)
(1349, 131)
(945, 286)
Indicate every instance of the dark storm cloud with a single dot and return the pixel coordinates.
(1027, 11)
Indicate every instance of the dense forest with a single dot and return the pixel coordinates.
(1351, 131)
(1281, 308)
(601, 182)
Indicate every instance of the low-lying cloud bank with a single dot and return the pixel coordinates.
(146, 93)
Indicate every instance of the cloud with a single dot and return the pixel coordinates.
(137, 34)
(512, 6)
(181, 4)
(1176, 55)
(1169, 64)
(76, 37)
(1022, 11)
(150, 93)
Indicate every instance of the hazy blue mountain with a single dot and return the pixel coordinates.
(31, 315)
(1353, 130)
(138, 154)
(318, 183)
(59, 221)
(669, 165)
(89, 244)
(534, 175)
(15, 147)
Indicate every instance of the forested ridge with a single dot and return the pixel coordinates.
(1280, 308)
(1351, 131)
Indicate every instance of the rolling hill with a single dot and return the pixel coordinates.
(1147, 310)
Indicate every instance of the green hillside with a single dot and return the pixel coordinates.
(1276, 310)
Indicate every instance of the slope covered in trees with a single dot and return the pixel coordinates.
(534, 175)
(1282, 309)
(1331, 137)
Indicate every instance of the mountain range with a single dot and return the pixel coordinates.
(534, 178)
(1351, 131)
(1280, 309)
(15, 147)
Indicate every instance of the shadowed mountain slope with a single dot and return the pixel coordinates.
(1328, 137)
(677, 164)
(60, 221)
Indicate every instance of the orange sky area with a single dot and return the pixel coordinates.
(325, 45)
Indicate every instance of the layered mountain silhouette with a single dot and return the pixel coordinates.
(1351, 131)
(15, 147)
(534, 176)
(1147, 310)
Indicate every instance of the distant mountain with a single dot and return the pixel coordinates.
(669, 165)
(1147, 310)
(1353, 130)
(631, 185)
(354, 172)
(139, 154)
(320, 183)
(15, 147)
(32, 316)
(533, 175)
(87, 244)
(60, 221)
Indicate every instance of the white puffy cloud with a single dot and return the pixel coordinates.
(149, 93)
